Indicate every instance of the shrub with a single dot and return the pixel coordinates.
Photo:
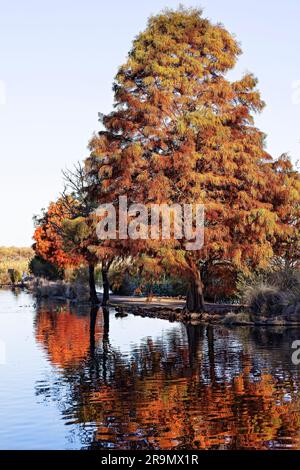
(15, 275)
(41, 268)
(271, 293)
(43, 288)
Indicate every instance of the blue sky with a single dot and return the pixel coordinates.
(57, 63)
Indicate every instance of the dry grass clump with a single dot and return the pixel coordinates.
(274, 294)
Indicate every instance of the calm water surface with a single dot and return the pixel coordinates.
(72, 379)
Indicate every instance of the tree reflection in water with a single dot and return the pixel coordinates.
(193, 387)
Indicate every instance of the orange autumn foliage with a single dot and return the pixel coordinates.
(182, 132)
(286, 201)
(49, 242)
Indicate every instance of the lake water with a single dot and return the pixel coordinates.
(74, 379)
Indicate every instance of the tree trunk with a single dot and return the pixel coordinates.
(93, 294)
(105, 311)
(105, 282)
(211, 353)
(105, 342)
(93, 318)
(194, 298)
(195, 342)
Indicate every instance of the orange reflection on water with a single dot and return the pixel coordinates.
(196, 393)
(64, 335)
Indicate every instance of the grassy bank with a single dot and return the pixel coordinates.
(16, 259)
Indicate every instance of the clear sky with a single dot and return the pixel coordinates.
(57, 62)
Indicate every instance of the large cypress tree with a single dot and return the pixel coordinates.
(182, 132)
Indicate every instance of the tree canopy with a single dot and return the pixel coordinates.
(182, 132)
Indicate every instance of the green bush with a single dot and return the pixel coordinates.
(41, 268)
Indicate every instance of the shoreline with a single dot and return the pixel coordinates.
(172, 309)
(19, 285)
(226, 318)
